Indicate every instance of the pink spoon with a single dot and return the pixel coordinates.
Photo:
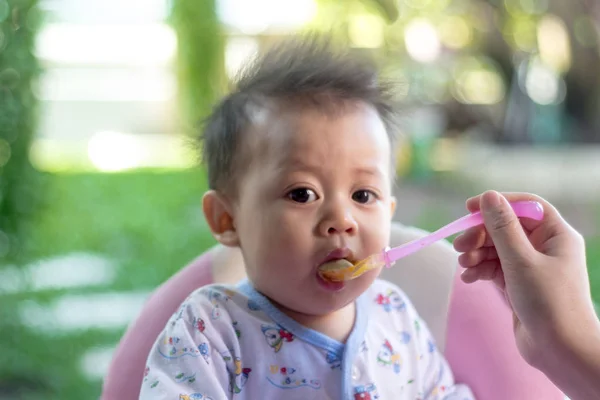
(523, 209)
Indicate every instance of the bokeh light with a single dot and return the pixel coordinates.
(258, 16)
(422, 40)
(113, 151)
(366, 31)
(520, 31)
(139, 44)
(455, 32)
(553, 43)
(543, 84)
(478, 81)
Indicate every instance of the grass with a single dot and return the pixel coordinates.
(150, 223)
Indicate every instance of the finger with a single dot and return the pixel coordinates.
(469, 276)
(485, 271)
(504, 227)
(472, 238)
(477, 256)
(474, 202)
(527, 223)
(551, 214)
(558, 240)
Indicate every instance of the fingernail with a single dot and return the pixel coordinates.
(494, 198)
(467, 276)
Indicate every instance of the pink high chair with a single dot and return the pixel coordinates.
(471, 323)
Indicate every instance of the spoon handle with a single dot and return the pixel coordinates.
(523, 209)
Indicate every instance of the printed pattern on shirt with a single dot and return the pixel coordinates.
(222, 344)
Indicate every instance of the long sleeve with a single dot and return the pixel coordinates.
(189, 360)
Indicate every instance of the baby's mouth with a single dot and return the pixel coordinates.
(336, 270)
(337, 255)
(334, 267)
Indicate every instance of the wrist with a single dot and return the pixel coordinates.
(572, 362)
(568, 347)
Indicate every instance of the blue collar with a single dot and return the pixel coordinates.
(308, 335)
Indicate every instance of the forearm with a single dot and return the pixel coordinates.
(573, 363)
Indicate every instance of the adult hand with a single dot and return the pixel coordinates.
(539, 265)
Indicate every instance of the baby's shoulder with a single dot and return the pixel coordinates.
(211, 313)
(214, 301)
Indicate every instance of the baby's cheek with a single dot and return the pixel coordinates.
(278, 245)
(378, 239)
(280, 237)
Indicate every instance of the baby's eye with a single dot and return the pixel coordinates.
(302, 195)
(363, 196)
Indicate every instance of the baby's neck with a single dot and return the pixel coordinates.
(336, 325)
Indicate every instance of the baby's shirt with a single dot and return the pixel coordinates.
(231, 342)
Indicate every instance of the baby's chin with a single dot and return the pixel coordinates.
(314, 296)
(324, 302)
(365, 281)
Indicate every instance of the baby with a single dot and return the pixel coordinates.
(300, 169)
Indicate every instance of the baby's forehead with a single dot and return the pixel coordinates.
(287, 137)
(288, 120)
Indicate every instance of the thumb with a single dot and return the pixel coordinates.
(504, 228)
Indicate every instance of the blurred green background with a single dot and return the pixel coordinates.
(99, 100)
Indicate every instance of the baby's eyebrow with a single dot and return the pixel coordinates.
(369, 171)
(300, 164)
(295, 164)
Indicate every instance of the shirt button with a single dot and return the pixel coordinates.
(355, 373)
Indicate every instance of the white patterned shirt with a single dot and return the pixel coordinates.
(231, 342)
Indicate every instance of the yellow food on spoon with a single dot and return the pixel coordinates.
(344, 270)
(337, 270)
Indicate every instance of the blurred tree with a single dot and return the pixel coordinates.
(200, 58)
(20, 187)
(510, 71)
(543, 53)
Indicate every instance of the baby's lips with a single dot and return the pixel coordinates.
(337, 254)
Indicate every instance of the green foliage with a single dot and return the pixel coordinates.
(149, 223)
(19, 182)
(200, 58)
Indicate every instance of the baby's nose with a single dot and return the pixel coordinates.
(338, 222)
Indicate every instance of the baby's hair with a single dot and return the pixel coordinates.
(304, 71)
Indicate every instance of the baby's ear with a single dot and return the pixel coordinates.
(393, 206)
(218, 213)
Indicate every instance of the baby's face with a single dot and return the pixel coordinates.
(319, 190)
